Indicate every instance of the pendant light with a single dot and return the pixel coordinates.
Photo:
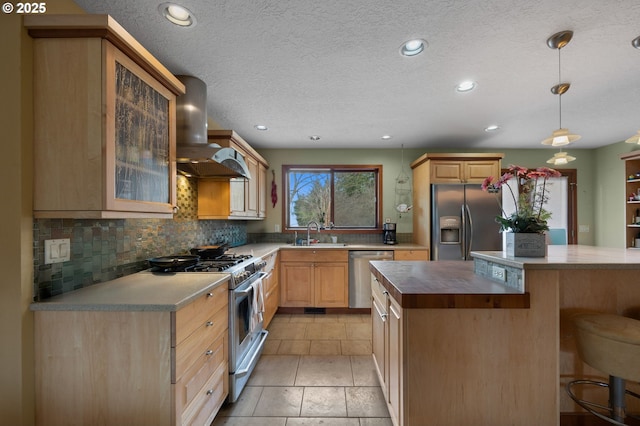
(560, 158)
(562, 136)
(635, 138)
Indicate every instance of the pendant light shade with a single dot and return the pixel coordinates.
(561, 136)
(634, 139)
(560, 158)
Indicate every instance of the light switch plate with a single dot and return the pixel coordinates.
(56, 251)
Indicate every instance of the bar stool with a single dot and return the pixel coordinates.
(609, 343)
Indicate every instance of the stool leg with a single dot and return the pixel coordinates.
(617, 398)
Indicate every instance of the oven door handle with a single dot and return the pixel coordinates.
(248, 290)
(244, 371)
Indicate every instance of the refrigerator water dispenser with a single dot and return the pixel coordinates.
(450, 230)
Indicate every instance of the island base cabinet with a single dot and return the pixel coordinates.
(481, 367)
(395, 398)
(379, 338)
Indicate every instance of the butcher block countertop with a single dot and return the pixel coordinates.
(444, 284)
(144, 291)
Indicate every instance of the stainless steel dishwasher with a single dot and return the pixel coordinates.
(360, 276)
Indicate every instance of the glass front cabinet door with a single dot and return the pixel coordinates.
(104, 122)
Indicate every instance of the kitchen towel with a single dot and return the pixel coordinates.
(257, 304)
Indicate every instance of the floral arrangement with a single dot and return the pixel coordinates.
(529, 216)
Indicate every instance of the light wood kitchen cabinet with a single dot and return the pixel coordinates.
(104, 122)
(235, 198)
(632, 191)
(314, 278)
(396, 381)
(380, 332)
(140, 367)
(453, 168)
(387, 345)
(412, 254)
(271, 288)
(463, 171)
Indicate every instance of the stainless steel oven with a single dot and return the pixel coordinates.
(246, 307)
(246, 333)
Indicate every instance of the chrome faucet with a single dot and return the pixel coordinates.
(309, 228)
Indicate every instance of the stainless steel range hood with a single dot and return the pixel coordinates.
(195, 156)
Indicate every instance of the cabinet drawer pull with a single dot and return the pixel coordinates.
(209, 323)
(210, 392)
(209, 352)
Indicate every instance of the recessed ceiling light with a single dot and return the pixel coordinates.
(492, 128)
(177, 14)
(413, 47)
(386, 137)
(314, 137)
(466, 86)
(261, 127)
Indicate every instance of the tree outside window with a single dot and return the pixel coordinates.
(342, 197)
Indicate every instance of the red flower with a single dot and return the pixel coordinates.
(486, 183)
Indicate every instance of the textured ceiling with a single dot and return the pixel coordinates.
(332, 68)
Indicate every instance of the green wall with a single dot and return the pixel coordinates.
(600, 175)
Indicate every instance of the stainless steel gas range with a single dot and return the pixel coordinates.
(246, 332)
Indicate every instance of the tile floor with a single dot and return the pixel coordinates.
(315, 370)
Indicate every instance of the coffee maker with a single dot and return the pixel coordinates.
(389, 233)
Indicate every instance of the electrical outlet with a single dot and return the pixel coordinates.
(387, 220)
(499, 273)
(277, 228)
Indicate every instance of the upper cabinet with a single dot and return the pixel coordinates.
(463, 171)
(235, 198)
(445, 168)
(104, 121)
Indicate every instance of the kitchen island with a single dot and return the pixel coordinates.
(496, 365)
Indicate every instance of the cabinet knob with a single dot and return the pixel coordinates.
(209, 352)
(209, 294)
(210, 392)
(385, 292)
(209, 323)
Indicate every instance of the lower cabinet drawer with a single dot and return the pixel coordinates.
(207, 403)
(196, 313)
(206, 380)
(194, 347)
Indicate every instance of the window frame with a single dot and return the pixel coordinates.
(332, 168)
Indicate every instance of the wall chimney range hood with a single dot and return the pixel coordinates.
(195, 156)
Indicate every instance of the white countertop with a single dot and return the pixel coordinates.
(143, 291)
(569, 257)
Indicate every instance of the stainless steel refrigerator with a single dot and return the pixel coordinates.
(462, 220)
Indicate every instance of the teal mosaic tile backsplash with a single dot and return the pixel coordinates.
(102, 250)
